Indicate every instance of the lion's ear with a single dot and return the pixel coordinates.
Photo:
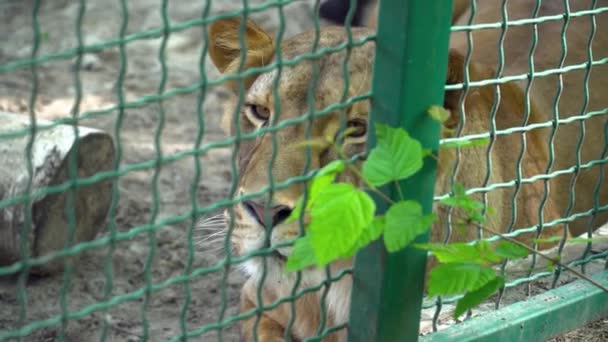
(456, 75)
(225, 47)
(452, 97)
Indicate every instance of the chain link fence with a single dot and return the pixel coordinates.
(117, 166)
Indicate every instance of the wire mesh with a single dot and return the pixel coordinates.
(535, 19)
(114, 234)
(117, 234)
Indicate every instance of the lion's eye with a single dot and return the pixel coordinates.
(357, 128)
(258, 113)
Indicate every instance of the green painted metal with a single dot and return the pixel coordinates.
(410, 71)
(409, 76)
(536, 319)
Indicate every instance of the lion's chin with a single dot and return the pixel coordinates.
(275, 263)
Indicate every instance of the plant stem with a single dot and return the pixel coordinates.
(399, 190)
(382, 194)
(370, 186)
(534, 251)
(430, 154)
(358, 174)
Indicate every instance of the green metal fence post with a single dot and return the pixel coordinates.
(409, 77)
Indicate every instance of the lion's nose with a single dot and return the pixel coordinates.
(276, 214)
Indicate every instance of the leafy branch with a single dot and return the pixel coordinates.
(341, 219)
(554, 261)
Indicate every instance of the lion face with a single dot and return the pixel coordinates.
(276, 154)
(275, 109)
(272, 124)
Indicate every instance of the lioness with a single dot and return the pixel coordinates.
(514, 107)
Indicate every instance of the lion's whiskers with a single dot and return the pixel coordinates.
(220, 234)
(213, 228)
(210, 242)
(212, 223)
(211, 234)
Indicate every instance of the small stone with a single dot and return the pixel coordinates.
(89, 62)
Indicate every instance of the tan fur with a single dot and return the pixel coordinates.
(255, 155)
(226, 48)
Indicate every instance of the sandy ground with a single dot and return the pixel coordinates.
(143, 75)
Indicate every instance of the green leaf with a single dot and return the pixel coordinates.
(473, 298)
(302, 255)
(297, 211)
(464, 202)
(449, 253)
(369, 234)
(465, 143)
(510, 250)
(322, 179)
(549, 239)
(458, 253)
(333, 168)
(338, 217)
(455, 278)
(480, 253)
(373, 231)
(396, 156)
(571, 240)
(459, 190)
(439, 113)
(459, 199)
(485, 252)
(404, 222)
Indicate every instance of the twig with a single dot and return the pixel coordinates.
(546, 257)
(356, 172)
(381, 194)
(430, 154)
(370, 186)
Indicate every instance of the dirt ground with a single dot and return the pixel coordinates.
(99, 73)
